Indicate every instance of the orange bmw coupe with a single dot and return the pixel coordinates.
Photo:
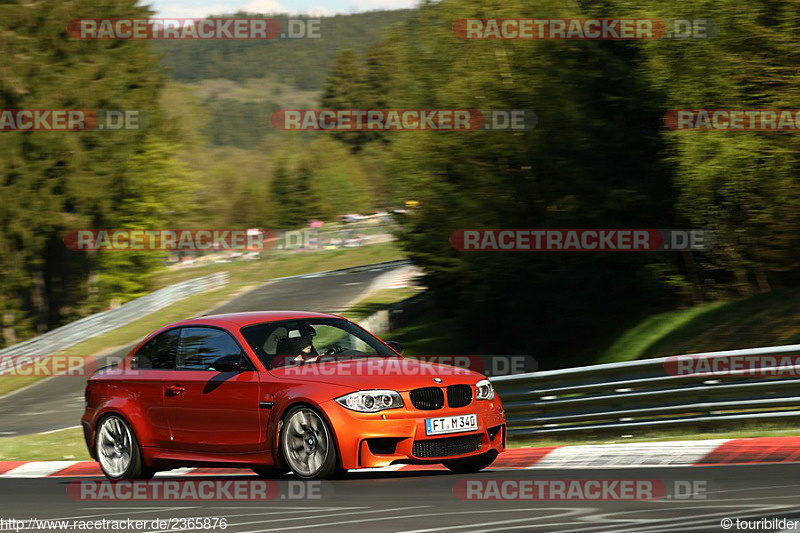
(278, 391)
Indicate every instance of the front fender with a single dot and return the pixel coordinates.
(314, 395)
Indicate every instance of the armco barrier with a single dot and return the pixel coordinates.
(71, 334)
(646, 394)
(395, 315)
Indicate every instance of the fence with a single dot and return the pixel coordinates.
(648, 394)
(395, 315)
(71, 334)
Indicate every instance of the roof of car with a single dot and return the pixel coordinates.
(257, 317)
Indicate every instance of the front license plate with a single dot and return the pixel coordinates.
(451, 424)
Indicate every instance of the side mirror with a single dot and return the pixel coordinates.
(228, 363)
(394, 345)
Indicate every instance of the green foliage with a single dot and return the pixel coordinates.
(767, 319)
(289, 204)
(236, 123)
(155, 184)
(52, 182)
(575, 169)
(599, 157)
(303, 63)
(742, 185)
(340, 183)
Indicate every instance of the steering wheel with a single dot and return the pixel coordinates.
(334, 349)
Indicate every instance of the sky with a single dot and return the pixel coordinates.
(201, 8)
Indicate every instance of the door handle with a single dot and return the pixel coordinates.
(175, 390)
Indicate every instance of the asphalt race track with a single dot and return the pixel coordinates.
(58, 402)
(424, 501)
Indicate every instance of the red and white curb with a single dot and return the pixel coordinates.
(761, 450)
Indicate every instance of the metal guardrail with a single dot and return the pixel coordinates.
(395, 314)
(71, 334)
(649, 394)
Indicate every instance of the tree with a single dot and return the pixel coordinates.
(576, 169)
(52, 182)
(289, 203)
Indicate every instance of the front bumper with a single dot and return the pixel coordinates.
(395, 436)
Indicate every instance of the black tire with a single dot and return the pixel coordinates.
(322, 466)
(469, 465)
(133, 467)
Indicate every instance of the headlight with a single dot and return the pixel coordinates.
(485, 390)
(371, 401)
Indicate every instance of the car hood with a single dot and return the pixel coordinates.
(395, 373)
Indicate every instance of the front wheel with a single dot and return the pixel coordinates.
(469, 465)
(118, 450)
(307, 444)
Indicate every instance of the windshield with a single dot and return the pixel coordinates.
(308, 341)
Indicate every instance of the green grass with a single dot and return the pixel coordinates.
(243, 275)
(67, 444)
(767, 319)
(427, 334)
(379, 300)
(635, 342)
(280, 264)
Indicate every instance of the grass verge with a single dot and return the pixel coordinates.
(282, 264)
(425, 335)
(63, 445)
(768, 319)
(379, 300)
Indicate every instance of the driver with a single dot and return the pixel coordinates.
(303, 345)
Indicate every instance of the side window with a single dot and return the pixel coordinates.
(159, 352)
(199, 348)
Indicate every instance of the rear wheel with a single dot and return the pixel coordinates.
(307, 444)
(118, 450)
(470, 465)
